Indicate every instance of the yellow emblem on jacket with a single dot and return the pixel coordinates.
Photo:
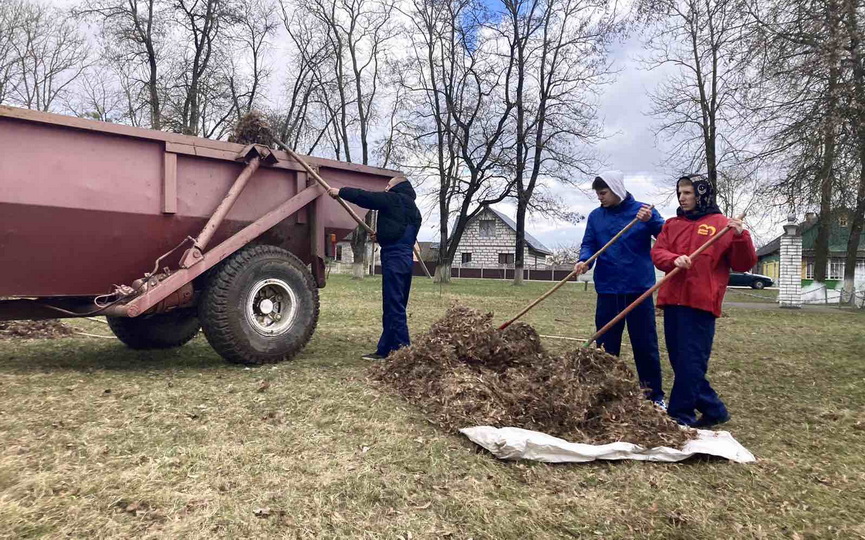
(706, 230)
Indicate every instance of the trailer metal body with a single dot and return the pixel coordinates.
(141, 218)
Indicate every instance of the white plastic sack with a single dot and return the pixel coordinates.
(516, 443)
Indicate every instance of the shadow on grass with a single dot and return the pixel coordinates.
(87, 355)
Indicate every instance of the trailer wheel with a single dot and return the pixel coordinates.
(260, 306)
(157, 331)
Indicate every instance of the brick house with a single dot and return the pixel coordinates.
(488, 242)
(769, 256)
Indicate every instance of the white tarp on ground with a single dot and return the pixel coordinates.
(516, 443)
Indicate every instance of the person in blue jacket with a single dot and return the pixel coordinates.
(398, 224)
(622, 273)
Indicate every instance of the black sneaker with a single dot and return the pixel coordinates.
(704, 423)
(372, 356)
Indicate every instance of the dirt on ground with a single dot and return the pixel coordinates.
(48, 329)
(465, 372)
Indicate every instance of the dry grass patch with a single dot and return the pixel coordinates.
(186, 446)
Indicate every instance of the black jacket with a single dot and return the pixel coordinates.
(396, 209)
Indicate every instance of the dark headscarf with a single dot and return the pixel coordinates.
(705, 194)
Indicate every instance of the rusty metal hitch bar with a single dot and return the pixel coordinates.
(160, 292)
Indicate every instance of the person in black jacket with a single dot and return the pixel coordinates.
(398, 224)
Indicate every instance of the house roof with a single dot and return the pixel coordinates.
(774, 246)
(770, 248)
(533, 242)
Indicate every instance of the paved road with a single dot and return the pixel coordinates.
(772, 305)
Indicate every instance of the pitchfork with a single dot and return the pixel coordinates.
(312, 172)
(657, 285)
(589, 261)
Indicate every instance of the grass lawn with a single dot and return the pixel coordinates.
(99, 441)
(747, 294)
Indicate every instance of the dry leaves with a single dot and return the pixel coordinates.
(252, 128)
(465, 372)
(47, 329)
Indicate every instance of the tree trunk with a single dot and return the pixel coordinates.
(443, 266)
(520, 245)
(358, 250)
(358, 247)
(443, 273)
(848, 294)
(821, 244)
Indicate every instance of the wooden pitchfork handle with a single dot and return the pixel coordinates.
(660, 282)
(312, 172)
(569, 276)
(321, 181)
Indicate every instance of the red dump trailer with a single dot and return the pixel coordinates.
(165, 234)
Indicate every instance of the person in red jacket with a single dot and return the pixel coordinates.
(692, 299)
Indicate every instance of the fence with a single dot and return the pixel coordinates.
(838, 297)
(499, 272)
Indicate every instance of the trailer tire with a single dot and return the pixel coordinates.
(157, 331)
(260, 306)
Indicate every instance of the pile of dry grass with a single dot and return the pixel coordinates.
(47, 329)
(465, 372)
(253, 128)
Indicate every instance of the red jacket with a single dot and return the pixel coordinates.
(704, 284)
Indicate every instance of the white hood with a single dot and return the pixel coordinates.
(616, 181)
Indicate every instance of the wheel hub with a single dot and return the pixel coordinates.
(271, 307)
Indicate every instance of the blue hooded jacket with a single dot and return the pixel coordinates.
(626, 266)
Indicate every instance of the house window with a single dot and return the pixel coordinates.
(466, 257)
(860, 268)
(842, 221)
(339, 253)
(487, 228)
(506, 258)
(836, 269)
(809, 270)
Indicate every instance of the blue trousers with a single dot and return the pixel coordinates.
(689, 333)
(396, 270)
(643, 334)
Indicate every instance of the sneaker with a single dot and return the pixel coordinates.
(704, 423)
(372, 356)
(660, 403)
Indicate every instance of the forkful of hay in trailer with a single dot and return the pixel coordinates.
(465, 372)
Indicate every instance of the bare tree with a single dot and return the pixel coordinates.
(800, 51)
(304, 119)
(51, 53)
(855, 113)
(427, 137)
(560, 64)
(254, 24)
(698, 106)
(11, 21)
(478, 97)
(568, 253)
(133, 32)
(201, 23)
(97, 97)
(356, 34)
